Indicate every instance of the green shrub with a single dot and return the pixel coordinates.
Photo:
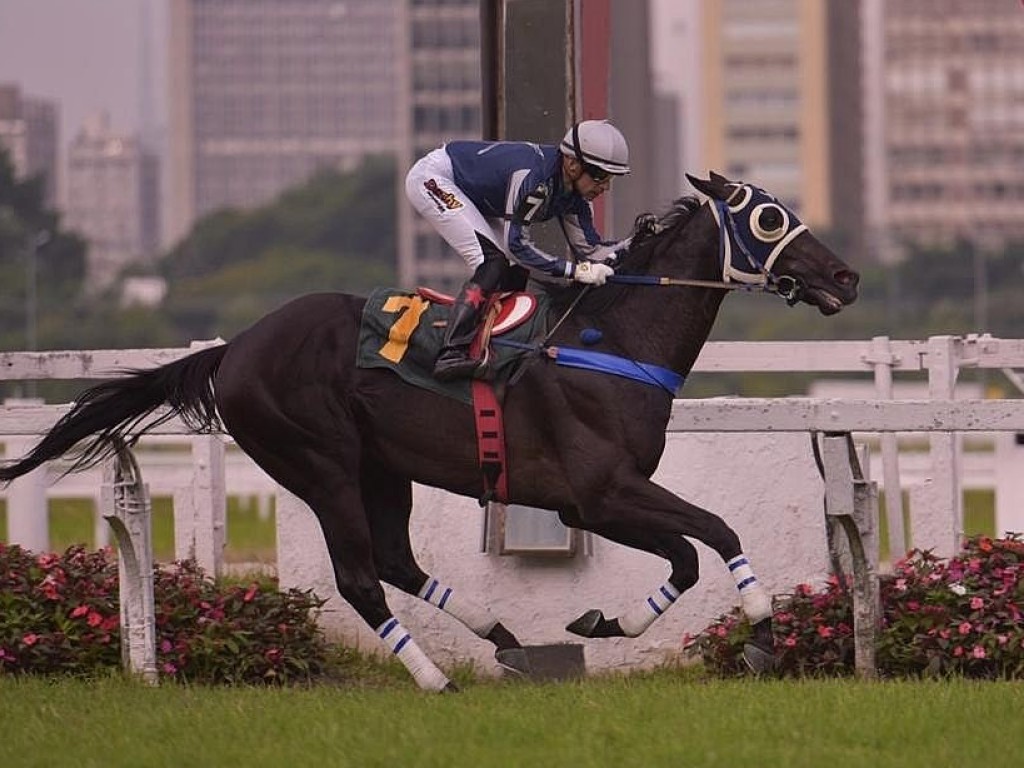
(957, 617)
(59, 614)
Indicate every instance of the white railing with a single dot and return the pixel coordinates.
(935, 495)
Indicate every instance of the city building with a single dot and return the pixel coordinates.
(28, 131)
(113, 199)
(764, 107)
(263, 93)
(944, 84)
(441, 86)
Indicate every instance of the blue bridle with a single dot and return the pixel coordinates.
(755, 228)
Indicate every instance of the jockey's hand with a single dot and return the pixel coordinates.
(645, 225)
(592, 273)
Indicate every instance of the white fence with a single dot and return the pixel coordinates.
(743, 458)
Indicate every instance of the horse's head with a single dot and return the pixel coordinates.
(764, 243)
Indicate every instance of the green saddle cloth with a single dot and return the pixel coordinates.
(403, 332)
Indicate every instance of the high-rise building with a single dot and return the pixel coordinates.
(946, 125)
(441, 84)
(28, 131)
(264, 92)
(113, 193)
(765, 111)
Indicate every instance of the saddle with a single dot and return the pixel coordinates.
(403, 332)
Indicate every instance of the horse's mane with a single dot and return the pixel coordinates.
(635, 262)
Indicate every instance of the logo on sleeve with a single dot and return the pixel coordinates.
(441, 196)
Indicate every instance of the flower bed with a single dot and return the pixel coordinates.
(959, 616)
(59, 613)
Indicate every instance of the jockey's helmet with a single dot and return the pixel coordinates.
(597, 143)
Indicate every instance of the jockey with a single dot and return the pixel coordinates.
(482, 197)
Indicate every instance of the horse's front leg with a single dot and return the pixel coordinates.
(640, 514)
(685, 570)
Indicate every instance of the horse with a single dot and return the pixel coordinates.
(350, 441)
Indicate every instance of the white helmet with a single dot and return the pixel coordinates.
(597, 143)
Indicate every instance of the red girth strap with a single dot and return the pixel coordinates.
(490, 440)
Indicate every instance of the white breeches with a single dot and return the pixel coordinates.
(432, 191)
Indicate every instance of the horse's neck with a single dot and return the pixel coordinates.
(669, 325)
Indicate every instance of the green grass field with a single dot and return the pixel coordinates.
(251, 537)
(668, 718)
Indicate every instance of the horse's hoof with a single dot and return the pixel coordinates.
(759, 660)
(513, 662)
(450, 687)
(586, 624)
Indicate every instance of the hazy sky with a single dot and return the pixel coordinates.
(86, 55)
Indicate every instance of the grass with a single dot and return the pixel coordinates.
(251, 536)
(672, 717)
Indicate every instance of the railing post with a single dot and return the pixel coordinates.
(127, 507)
(28, 521)
(937, 517)
(852, 501)
(882, 360)
(200, 508)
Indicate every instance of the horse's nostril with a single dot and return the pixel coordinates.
(847, 277)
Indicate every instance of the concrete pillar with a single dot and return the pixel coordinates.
(28, 522)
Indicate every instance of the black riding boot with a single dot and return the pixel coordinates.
(454, 362)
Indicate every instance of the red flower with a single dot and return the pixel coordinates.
(80, 611)
(94, 619)
(824, 631)
(251, 593)
(30, 639)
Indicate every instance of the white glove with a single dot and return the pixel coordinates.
(592, 273)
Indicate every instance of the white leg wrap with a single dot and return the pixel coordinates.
(756, 603)
(423, 670)
(638, 618)
(474, 616)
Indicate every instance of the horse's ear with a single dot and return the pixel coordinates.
(719, 179)
(708, 187)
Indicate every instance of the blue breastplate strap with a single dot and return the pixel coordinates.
(602, 362)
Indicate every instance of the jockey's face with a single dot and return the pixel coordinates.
(579, 175)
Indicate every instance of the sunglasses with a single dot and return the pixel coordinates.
(597, 174)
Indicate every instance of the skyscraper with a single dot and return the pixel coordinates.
(947, 122)
(28, 131)
(113, 199)
(441, 86)
(263, 93)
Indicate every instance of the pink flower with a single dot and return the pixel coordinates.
(251, 593)
(964, 628)
(30, 639)
(978, 652)
(169, 669)
(166, 647)
(824, 631)
(80, 611)
(94, 619)
(790, 642)
(958, 651)
(901, 585)
(977, 603)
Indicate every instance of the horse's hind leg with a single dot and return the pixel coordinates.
(325, 479)
(388, 504)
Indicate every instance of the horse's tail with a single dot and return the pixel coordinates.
(115, 409)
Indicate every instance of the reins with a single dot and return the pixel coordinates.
(783, 285)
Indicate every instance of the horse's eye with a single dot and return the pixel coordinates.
(769, 222)
(770, 219)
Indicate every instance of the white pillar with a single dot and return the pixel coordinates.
(200, 508)
(940, 525)
(28, 523)
(1009, 459)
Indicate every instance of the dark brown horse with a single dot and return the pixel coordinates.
(350, 441)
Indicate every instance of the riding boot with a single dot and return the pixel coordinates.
(453, 361)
